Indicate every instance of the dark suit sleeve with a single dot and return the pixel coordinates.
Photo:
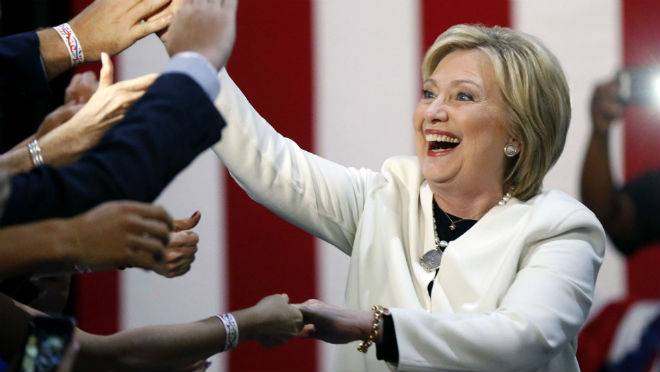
(161, 134)
(21, 68)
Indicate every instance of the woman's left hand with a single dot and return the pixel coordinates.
(180, 252)
(334, 324)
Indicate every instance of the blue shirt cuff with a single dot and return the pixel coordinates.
(198, 68)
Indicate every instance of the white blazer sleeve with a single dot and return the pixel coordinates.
(317, 195)
(541, 312)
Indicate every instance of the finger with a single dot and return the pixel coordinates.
(172, 255)
(187, 223)
(285, 297)
(145, 9)
(153, 25)
(68, 93)
(106, 77)
(155, 228)
(183, 239)
(151, 212)
(149, 244)
(308, 331)
(141, 83)
(143, 260)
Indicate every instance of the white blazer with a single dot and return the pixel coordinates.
(511, 293)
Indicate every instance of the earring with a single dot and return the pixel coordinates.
(511, 150)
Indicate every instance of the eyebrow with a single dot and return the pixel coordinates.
(455, 82)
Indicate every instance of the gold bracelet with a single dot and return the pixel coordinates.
(378, 316)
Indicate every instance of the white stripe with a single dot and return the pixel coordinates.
(367, 82)
(629, 333)
(148, 298)
(586, 37)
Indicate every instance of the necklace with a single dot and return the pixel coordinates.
(452, 223)
(430, 261)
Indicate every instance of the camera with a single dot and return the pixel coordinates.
(47, 341)
(639, 86)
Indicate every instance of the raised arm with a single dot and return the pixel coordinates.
(322, 197)
(613, 207)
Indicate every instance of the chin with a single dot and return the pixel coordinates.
(436, 173)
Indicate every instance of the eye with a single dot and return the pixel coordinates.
(462, 96)
(427, 94)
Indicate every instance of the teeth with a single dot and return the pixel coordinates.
(441, 138)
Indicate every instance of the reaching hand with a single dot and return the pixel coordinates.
(605, 106)
(113, 25)
(207, 27)
(180, 252)
(105, 108)
(118, 234)
(81, 88)
(334, 324)
(272, 321)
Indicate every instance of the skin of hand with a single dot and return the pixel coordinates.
(271, 322)
(336, 325)
(105, 108)
(605, 106)
(113, 25)
(117, 234)
(207, 27)
(180, 252)
(81, 88)
(105, 25)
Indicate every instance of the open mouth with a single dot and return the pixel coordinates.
(441, 142)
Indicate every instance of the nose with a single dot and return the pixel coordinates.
(436, 111)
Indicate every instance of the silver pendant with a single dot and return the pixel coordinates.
(430, 261)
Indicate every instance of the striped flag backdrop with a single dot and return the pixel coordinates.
(341, 77)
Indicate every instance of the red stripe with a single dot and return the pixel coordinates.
(272, 63)
(97, 300)
(641, 46)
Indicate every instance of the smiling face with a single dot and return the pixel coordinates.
(460, 125)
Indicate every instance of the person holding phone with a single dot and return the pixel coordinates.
(618, 338)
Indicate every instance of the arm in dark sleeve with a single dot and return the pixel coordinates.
(161, 134)
(388, 350)
(644, 192)
(21, 69)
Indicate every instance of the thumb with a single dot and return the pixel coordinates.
(187, 223)
(308, 331)
(107, 77)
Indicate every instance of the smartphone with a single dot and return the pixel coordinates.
(47, 341)
(639, 86)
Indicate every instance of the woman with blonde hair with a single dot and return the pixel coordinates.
(458, 260)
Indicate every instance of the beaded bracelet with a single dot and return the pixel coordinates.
(231, 330)
(378, 316)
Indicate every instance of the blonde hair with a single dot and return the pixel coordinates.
(534, 89)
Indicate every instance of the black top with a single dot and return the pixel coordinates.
(388, 349)
(645, 194)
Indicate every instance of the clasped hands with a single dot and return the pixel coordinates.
(273, 321)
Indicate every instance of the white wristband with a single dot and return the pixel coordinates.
(231, 331)
(72, 43)
(35, 153)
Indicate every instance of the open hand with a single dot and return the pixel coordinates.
(113, 25)
(207, 27)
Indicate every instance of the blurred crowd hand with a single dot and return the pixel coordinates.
(207, 27)
(271, 322)
(119, 234)
(334, 324)
(180, 252)
(605, 106)
(62, 144)
(113, 25)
